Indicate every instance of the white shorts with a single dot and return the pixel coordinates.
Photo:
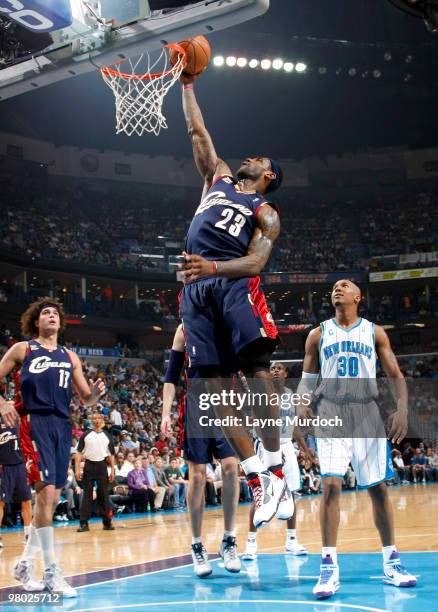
(291, 469)
(370, 458)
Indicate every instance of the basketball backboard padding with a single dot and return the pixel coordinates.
(114, 43)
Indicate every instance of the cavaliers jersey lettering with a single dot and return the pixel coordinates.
(224, 222)
(46, 380)
(10, 451)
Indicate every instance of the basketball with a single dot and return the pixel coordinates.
(198, 54)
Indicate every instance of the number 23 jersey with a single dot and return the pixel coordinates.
(46, 380)
(224, 222)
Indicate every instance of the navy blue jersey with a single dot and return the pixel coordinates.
(10, 450)
(224, 222)
(46, 380)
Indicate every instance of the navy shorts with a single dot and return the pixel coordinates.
(13, 484)
(222, 316)
(51, 438)
(202, 450)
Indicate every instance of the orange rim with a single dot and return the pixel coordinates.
(113, 72)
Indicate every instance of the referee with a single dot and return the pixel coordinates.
(96, 445)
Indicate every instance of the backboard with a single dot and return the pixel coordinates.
(45, 41)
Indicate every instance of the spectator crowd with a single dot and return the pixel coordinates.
(130, 232)
(151, 475)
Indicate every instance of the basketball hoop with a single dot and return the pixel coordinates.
(139, 97)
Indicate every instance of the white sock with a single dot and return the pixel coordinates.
(26, 529)
(330, 551)
(272, 458)
(196, 540)
(32, 545)
(252, 465)
(46, 536)
(387, 552)
(229, 534)
(292, 534)
(252, 536)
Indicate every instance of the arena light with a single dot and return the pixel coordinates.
(301, 67)
(322, 70)
(253, 63)
(352, 72)
(231, 61)
(277, 64)
(219, 60)
(266, 64)
(377, 74)
(242, 62)
(288, 66)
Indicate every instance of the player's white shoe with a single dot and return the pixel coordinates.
(24, 572)
(396, 574)
(228, 552)
(267, 490)
(286, 506)
(294, 547)
(201, 565)
(328, 582)
(55, 581)
(250, 552)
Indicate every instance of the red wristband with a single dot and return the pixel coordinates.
(187, 86)
(214, 267)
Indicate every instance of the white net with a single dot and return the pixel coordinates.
(139, 97)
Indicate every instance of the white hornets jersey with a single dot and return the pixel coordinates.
(347, 353)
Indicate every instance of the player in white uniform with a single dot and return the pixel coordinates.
(291, 472)
(342, 349)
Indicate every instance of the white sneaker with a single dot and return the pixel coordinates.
(294, 547)
(250, 553)
(328, 582)
(24, 572)
(267, 490)
(286, 506)
(64, 517)
(228, 552)
(58, 518)
(55, 581)
(396, 574)
(201, 565)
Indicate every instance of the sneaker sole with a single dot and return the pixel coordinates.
(327, 594)
(248, 557)
(403, 585)
(205, 575)
(296, 554)
(232, 571)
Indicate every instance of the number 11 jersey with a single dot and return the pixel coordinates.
(46, 380)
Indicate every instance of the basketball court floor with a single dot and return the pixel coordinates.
(145, 564)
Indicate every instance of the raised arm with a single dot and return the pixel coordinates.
(90, 392)
(210, 166)
(398, 420)
(259, 250)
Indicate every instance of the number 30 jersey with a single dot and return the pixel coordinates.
(347, 353)
(46, 380)
(224, 222)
